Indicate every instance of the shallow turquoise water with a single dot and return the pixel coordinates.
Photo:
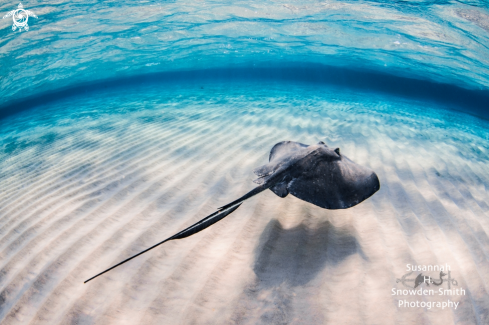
(199, 100)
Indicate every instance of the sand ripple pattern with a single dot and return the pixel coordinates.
(88, 181)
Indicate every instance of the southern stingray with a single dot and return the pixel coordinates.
(316, 174)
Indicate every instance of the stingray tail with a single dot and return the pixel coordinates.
(251, 193)
(193, 229)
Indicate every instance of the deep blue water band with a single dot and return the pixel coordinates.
(474, 102)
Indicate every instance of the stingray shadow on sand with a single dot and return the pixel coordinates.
(297, 255)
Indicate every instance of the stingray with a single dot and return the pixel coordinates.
(316, 174)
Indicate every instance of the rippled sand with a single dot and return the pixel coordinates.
(86, 182)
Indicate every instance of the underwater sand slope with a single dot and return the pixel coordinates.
(87, 182)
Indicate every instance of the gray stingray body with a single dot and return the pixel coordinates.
(316, 174)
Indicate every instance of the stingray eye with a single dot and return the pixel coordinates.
(321, 142)
(337, 150)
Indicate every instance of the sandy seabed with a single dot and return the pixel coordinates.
(88, 181)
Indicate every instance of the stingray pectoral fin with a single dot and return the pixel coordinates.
(193, 229)
(285, 148)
